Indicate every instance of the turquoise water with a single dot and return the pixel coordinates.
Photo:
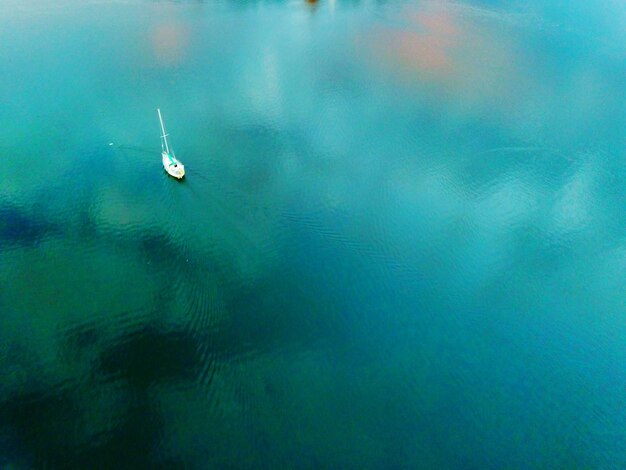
(401, 241)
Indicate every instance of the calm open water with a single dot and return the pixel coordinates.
(401, 242)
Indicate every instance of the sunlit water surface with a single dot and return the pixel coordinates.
(400, 242)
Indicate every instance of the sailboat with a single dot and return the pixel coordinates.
(170, 163)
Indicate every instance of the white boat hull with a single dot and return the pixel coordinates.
(172, 166)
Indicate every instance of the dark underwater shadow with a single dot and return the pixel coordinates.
(43, 426)
(51, 424)
(23, 227)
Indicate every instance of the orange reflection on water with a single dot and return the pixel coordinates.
(428, 46)
(169, 42)
(464, 52)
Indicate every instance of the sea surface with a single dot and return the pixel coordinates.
(400, 243)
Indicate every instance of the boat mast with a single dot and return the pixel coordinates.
(164, 136)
